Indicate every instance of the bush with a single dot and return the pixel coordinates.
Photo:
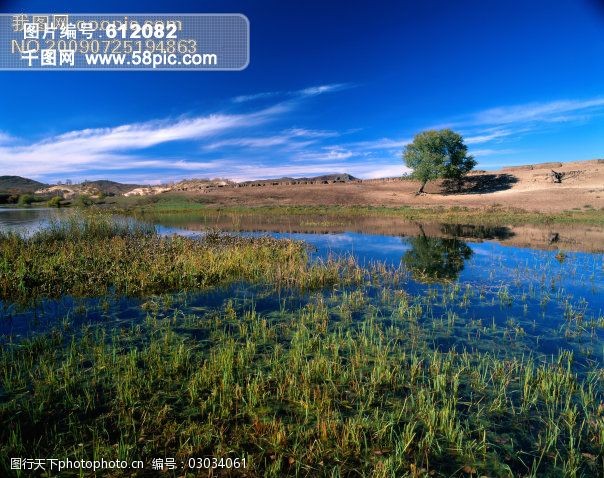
(26, 199)
(54, 201)
(83, 201)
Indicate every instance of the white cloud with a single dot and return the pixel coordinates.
(104, 148)
(554, 111)
(6, 138)
(256, 96)
(119, 150)
(293, 138)
(382, 144)
(487, 136)
(491, 152)
(311, 133)
(305, 92)
(318, 90)
(372, 171)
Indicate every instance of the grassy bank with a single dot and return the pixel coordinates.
(96, 254)
(493, 216)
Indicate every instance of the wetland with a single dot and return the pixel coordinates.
(310, 345)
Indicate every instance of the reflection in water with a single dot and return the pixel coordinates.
(472, 231)
(26, 220)
(436, 259)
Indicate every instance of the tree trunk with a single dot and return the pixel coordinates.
(421, 188)
(556, 177)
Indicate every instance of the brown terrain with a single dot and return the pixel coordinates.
(530, 187)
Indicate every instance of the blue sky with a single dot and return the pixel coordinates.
(331, 87)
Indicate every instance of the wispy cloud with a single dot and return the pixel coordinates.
(293, 138)
(381, 144)
(478, 153)
(487, 136)
(111, 148)
(255, 96)
(545, 112)
(305, 92)
(319, 90)
(6, 138)
(311, 133)
(327, 153)
(124, 150)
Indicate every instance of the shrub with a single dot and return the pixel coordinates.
(54, 201)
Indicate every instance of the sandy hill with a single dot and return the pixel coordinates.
(89, 188)
(529, 187)
(109, 187)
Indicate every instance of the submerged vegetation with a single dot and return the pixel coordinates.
(311, 368)
(335, 387)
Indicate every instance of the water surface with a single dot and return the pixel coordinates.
(551, 295)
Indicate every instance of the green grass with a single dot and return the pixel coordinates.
(96, 254)
(161, 202)
(451, 215)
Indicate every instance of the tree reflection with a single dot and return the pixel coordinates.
(436, 259)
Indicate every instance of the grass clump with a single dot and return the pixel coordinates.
(95, 254)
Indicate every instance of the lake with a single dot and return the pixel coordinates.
(529, 262)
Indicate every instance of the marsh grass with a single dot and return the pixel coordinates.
(330, 215)
(97, 254)
(303, 392)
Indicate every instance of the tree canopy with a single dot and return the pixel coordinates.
(437, 154)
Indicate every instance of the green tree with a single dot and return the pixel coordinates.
(436, 154)
(83, 201)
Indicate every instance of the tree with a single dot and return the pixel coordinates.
(436, 154)
(83, 201)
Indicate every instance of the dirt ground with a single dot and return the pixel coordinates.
(527, 187)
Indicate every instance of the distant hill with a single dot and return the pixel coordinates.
(109, 187)
(19, 185)
(332, 177)
(327, 178)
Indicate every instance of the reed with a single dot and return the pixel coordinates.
(96, 254)
(330, 215)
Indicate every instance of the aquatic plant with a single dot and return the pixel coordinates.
(299, 392)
